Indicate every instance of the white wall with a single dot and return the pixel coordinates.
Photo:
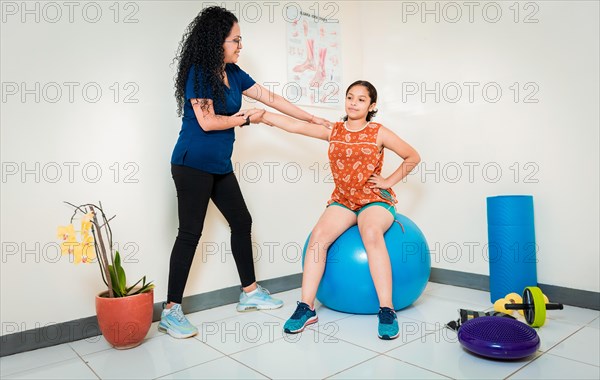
(69, 140)
(559, 135)
(547, 148)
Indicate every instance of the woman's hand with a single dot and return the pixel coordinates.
(378, 181)
(255, 115)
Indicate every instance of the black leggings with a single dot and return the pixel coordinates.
(194, 189)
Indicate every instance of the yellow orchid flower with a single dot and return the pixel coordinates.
(86, 224)
(67, 233)
(88, 249)
(67, 247)
(84, 252)
(77, 253)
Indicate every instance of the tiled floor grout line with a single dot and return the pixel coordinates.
(385, 354)
(315, 332)
(225, 355)
(195, 365)
(102, 350)
(38, 367)
(567, 337)
(84, 362)
(247, 366)
(417, 366)
(352, 366)
(157, 336)
(413, 364)
(457, 300)
(414, 340)
(78, 356)
(247, 348)
(366, 348)
(542, 353)
(571, 359)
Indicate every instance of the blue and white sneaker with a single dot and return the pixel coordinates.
(388, 324)
(260, 300)
(174, 323)
(302, 317)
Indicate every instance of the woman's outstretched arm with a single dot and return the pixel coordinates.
(282, 105)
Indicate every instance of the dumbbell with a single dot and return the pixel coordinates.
(534, 306)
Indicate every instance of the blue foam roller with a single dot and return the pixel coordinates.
(511, 244)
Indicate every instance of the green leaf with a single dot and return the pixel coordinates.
(122, 281)
(113, 278)
(134, 285)
(144, 288)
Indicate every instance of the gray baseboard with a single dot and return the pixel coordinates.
(559, 294)
(83, 328)
(199, 302)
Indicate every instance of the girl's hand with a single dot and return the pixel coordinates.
(256, 115)
(377, 181)
(248, 112)
(321, 121)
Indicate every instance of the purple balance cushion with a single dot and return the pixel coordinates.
(498, 338)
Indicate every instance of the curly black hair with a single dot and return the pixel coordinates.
(202, 46)
(372, 94)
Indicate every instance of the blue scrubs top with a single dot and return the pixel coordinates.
(210, 151)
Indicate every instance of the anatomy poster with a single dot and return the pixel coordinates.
(314, 61)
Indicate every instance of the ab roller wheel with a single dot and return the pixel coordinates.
(534, 306)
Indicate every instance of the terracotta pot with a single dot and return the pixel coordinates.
(125, 321)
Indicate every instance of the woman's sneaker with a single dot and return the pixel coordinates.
(174, 323)
(388, 324)
(259, 300)
(302, 317)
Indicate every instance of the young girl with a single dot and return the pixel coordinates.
(361, 196)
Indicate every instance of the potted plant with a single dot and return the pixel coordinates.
(124, 312)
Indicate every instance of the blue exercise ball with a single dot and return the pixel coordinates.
(347, 285)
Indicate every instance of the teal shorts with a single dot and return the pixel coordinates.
(387, 206)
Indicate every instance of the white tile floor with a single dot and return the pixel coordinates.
(233, 345)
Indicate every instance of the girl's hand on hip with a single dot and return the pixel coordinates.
(378, 181)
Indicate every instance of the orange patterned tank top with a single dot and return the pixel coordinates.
(353, 157)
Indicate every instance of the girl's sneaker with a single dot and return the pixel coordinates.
(388, 324)
(260, 300)
(302, 317)
(174, 323)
